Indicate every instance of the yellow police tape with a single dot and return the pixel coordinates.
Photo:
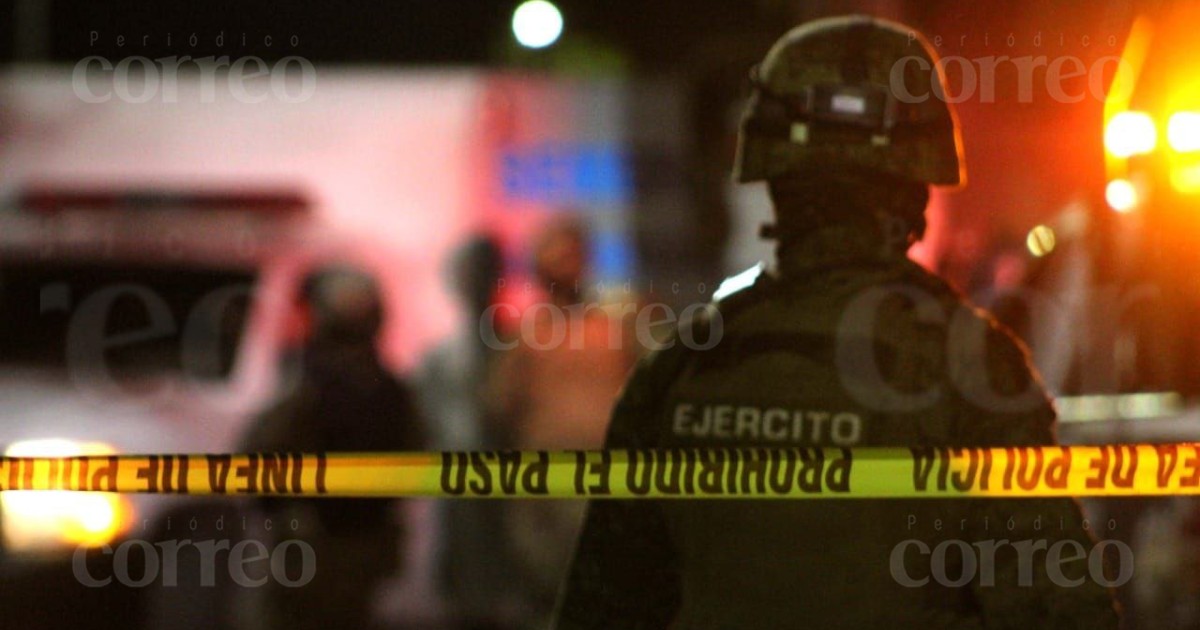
(759, 473)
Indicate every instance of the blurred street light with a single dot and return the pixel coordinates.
(537, 23)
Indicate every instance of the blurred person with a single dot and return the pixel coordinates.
(473, 562)
(195, 599)
(1167, 591)
(554, 389)
(843, 325)
(346, 400)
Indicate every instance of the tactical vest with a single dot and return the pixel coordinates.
(794, 369)
(852, 354)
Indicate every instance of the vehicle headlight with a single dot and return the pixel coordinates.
(1183, 132)
(47, 520)
(1130, 133)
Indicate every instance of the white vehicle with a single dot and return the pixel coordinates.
(136, 322)
(150, 252)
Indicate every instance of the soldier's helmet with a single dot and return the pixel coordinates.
(346, 304)
(850, 91)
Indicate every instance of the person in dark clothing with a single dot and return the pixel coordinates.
(475, 562)
(346, 400)
(844, 342)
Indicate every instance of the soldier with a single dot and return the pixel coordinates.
(862, 347)
(346, 401)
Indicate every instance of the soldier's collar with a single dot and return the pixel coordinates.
(835, 246)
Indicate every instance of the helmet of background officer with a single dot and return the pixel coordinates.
(477, 268)
(345, 307)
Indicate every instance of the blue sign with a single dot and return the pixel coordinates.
(567, 174)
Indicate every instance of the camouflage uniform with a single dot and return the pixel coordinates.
(845, 343)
